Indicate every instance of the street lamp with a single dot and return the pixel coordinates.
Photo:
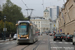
(4, 29)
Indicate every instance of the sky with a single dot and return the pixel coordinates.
(38, 5)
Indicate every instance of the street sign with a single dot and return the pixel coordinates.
(4, 29)
(54, 25)
(60, 30)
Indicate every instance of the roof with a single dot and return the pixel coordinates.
(46, 10)
(37, 18)
(23, 21)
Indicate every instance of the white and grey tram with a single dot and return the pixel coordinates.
(26, 32)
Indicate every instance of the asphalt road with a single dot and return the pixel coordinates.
(45, 42)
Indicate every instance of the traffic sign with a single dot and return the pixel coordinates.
(54, 25)
(4, 29)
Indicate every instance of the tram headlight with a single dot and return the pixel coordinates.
(18, 37)
(27, 37)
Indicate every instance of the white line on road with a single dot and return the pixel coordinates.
(63, 47)
(1, 43)
(7, 43)
(62, 42)
(53, 42)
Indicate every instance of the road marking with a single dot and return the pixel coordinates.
(1, 43)
(60, 42)
(53, 42)
(56, 47)
(7, 43)
(63, 47)
(66, 42)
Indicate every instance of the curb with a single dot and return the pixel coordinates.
(6, 40)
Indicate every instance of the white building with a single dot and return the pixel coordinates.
(46, 14)
(43, 23)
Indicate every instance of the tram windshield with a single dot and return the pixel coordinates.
(22, 30)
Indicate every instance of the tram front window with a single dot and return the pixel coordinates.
(23, 30)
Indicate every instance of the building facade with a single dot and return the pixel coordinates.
(43, 25)
(67, 18)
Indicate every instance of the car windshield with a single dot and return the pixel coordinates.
(69, 35)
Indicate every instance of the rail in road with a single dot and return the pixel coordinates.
(45, 42)
(12, 45)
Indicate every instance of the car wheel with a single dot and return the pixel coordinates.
(60, 40)
(54, 39)
(73, 43)
(66, 40)
(18, 43)
(71, 40)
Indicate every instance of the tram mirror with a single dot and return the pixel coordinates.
(16, 24)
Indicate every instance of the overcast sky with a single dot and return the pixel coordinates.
(36, 5)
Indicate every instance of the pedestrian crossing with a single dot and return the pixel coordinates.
(62, 42)
(12, 42)
(62, 48)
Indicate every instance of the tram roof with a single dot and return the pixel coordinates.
(24, 21)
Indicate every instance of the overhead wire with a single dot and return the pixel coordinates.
(43, 3)
(24, 3)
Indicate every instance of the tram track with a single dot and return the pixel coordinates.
(24, 47)
(36, 46)
(39, 42)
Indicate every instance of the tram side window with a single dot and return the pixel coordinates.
(31, 30)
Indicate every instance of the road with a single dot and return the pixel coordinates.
(45, 42)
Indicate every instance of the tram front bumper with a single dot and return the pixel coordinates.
(24, 41)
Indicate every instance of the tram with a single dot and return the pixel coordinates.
(26, 32)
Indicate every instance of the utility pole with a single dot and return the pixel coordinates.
(4, 29)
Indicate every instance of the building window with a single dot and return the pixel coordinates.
(45, 13)
(74, 0)
(39, 22)
(46, 28)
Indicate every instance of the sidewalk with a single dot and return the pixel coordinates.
(5, 40)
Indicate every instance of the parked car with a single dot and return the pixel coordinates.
(69, 38)
(15, 37)
(73, 39)
(57, 37)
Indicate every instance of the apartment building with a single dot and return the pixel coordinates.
(67, 18)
